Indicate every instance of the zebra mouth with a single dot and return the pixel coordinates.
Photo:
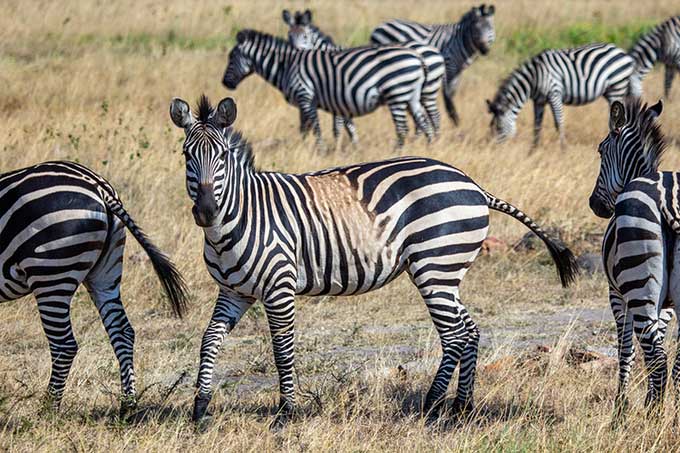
(599, 209)
(203, 218)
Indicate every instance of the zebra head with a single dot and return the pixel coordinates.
(240, 63)
(504, 119)
(301, 33)
(205, 149)
(483, 30)
(632, 148)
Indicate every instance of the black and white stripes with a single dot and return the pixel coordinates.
(459, 43)
(558, 77)
(62, 225)
(346, 83)
(660, 45)
(341, 231)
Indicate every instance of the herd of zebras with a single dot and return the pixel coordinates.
(349, 230)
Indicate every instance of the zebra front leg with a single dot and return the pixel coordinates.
(449, 91)
(669, 74)
(351, 130)
(338, 123)
(539, 110)
(280, 311)
(54, 306)
(555, 100)
(398, 112)
(626, 352)
(310, 119)
(229, 309)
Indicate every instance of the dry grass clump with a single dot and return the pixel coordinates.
(91, 81)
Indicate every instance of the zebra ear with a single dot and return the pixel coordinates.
(180, 113)
(657, 108)
(490, 10)
(617, 116)
(287, 18)
(306, 17)
(240, 37)
(490, 107)
(225, 115)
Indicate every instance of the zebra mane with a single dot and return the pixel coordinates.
(204, 109)
(239, 146)
(638, 116)
(251, 35)
(500, 101)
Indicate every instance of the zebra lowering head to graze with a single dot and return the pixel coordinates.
(640, 250)
(61, 225)
(558, 77)
(303, 34)
(346, 83)
(661, 44)
(342, 231)
(459, 43)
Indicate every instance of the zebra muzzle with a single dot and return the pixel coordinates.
(205, 208)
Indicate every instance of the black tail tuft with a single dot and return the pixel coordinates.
(564, 259)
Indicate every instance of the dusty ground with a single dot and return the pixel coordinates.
(92, 80)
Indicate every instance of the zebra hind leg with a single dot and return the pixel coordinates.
(669, 75)
(54, 306)
(430, 104)
(646, 327)
(398, 112)
(422, 119)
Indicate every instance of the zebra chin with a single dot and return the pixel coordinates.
(204, 218)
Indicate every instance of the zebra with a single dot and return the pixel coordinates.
(341, 231)
(61, 225)
(459, 43)
(557, 77)
(661, 44)
(303, 34)
(640, 249)
(347, 83)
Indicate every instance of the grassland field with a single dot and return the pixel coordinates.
(91, 81)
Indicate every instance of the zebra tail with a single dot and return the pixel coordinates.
(564, 259)
(170, 278)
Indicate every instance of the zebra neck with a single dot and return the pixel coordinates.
(646, 52)
(462, 42)
(272, 63)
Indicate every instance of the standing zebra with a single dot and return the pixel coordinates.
(342, 231)
(640, 250)
(557, 77)
(62, 225)
(459, 43)
(303, 34)
(661, 44)
(346, 83)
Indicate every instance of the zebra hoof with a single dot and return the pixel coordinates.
(201, 403)
(283, 415)
(128, 406)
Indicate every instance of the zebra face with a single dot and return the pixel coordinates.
(503, 122)
(240, 64)
(631, 149)
(301, 34)
(483, 30)
(205, 150)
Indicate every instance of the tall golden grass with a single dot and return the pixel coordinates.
(91, 81)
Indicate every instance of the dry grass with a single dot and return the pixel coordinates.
(91, 81)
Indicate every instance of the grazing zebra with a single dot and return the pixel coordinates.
(661, 44)
(640, 250)
(557, 77)
(303, 34)
(342, 231)
(459, 44)
(62, 225)
(347, 83)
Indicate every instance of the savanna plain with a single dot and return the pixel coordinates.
(91, 81)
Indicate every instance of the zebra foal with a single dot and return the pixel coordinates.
(342, 231)
(346, 83)
(61, 225)
(640, 249)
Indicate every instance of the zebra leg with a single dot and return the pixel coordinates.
(468, 366)
(539, 110)
(421, 119)
(668, 81)
(310, 119)
(398, 112)
(338, 122)
(280, 311)
(646, 327)
(448, 316)
(229, 309)
(351, 130)
(626, 351)
(54, 306)
(555, 100)
(449, 91)
(430, 104)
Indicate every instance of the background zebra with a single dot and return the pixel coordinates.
(303, 34)
(557, 77)
(661, 44)
(62, 225)
(346, 83)
(640, 251)
(342, 231)
(459, 43)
